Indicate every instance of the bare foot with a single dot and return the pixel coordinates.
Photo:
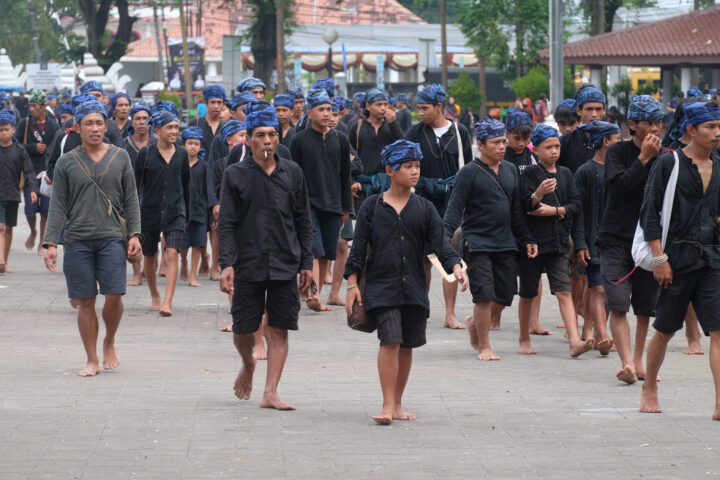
(640, 372)
(604, 346)
(474, 341)
(627, 375)
(110, 358)
(526, 348)
(214, 276)
(163, 269)
(184, 272)
(495, 324)
(562, 325)
(2, 267)
(315, 303)
(8, 269)
(166, 310)
(227, 328)
(335, 300)
(487, 354)
(401, 414)
(451, 322)
(538, 329)
(243, 382)
(40, 252)
(649, 401)
(259, 352)
(273, 400)
(328, 278)
(716, 413)
(581, 346)
(204, 269)
(195, 283)
(30, 242)
(74, 303)
(90, 370)
(156, 304)
(694, 348)
(385, 417)
(136, 281)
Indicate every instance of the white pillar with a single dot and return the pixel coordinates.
(685, 79)
(667, 84)
(596, 75)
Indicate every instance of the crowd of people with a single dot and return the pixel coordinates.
(313, 189)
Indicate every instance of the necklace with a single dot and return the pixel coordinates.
(437, 140)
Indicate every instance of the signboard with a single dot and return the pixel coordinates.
(176, 64)
(43, 76)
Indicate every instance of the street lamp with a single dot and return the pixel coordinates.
(330, 36)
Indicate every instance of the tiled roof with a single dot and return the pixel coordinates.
(223, 21)
(690, 38)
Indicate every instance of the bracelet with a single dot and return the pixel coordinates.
(535, 197)
(557, 211)
(350, 287)
(657, 261)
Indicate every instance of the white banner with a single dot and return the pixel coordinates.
(43, 76)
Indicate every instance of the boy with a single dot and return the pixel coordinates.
(162, 173)
(565, 117)
(195, 233)
(14, 161)
(211, 123)
(397, 224)
(590, 184)
(688, 268)
(519, 128)
(589, 105)
(551, 200)
(284, 105)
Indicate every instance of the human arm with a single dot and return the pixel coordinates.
(573, 201)
(30, 173)
(303, 225)
(518, 220)
(621, 177)
(230, 220)
(131, 202)
(186, 185)
(345, 176)
(57, 213)
(440, 243)
(140, 166)
(458, 200)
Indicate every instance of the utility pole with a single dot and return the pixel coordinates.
(556, 51)
(161, 63)
(186, 57)
(599, 24)
(36, 40)
(695, 71)
(443, 41)
(280, 45)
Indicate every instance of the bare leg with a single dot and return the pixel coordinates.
(337, 273)
(43, 222)
(259, 352)
(404, 365)
(215, 268)
(388, 359)
(3, 258)
(243, 382)
(184, 265)
(578, 284)
(171, 255)
(620, 329)
(32, 223)
(204, 261)
(152, 283)
(655, 356)
(524, 313)
(715, 368)
(641, 332)
(163, 258)
(596, 312)
(692, 333)
(450, 294)
(277, 339)
(495, 315)
(567, 311)
(88, 326)
(194, 261)
(320, 269)
(8, 243)
(481, 322)
(535, 327)
(112, 313)
(137, 279)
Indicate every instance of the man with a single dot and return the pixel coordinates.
(88, 181)
(284, 105)
(404, 117)
(590, 184)
(14, 162)
(486, 200)
(298, 106)
(138, 131)
(627, 165)
(94, 88)
(35, 133)
(324, 157)
(688, 265)
(67, 114)
(252, 85)
(119, 108)
(219, 148)
(265, 242)
(442, 149)
(211, 124)
(589, 105)
(672, 106)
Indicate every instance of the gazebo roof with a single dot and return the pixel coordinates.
(689, 39)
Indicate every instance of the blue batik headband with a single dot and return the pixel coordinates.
(399, 152)
(597, 131)
(541, 133)
(489, 128)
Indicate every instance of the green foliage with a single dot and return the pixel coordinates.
(649, 88)
(568, 84)
(587, 11)
(532, 84)
(465, 92)
(429, 10)
(107, 48)
(174, 97)
(622, 91)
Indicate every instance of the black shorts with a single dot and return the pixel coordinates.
(639, 290)
(405, 325)
(151, 239)
(280, 298)
(702, 288)
(492, 276)
(555, 265)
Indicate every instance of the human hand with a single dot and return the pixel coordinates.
(547, 186)
(33, 197)
(583, 257)
(353, 295)
(134, 248)
(227, 280)
(461, 277)
(356, 187)
(51, 258)
(390, 115)
(663, 274)
(40, 147)
(306, 279)
(543, 211)
(650, 147)
(216, 211)
(345, 217)
(532, 250)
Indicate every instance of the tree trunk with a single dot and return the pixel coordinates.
(186, 58)
(263, 44)
(482, 85)
(519, 50)
(96, 16)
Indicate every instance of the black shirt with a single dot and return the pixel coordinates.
(625, 179)
(440, 155)
(396, 270)
(520, 160)
(693, 240)
(207, 130)
(552, 233)
(325, 161)
(369, 144)
(133, 149)
(113, 134)
(264, 228)
(164, 189)
(218, 148)
(30, 135)
(287, 139)
(488, 205)
(198, 192)
(404, 119)
(15, 160)
(574, 150)
(590, 184)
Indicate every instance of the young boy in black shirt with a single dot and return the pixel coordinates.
(550, 198)
(565, 117)
(519, 128)
(397, 224)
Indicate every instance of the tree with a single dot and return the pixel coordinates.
(107, 48)
(465, 92)
(590, 8)
(428, 9)
(622, 91)
(533, 84)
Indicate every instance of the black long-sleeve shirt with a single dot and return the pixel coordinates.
(30, 135)
(404, 119)
(488, 205)
(264, 228)
(590, 184)
(693, 240)
(625, 179)
(208, 133)
(133, 149)
(440, 155)
(164, 189)
(520, 160)
(369, 144)
(574, 150)
(552, 233)
(114, 134)
(15, 160)
(218, 149)
(198, 192)
(396, 270)
(287, 138)
(325, 162)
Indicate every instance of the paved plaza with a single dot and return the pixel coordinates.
(169, 411)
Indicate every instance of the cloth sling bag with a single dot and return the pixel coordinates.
(641, 253)
(461, 156)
